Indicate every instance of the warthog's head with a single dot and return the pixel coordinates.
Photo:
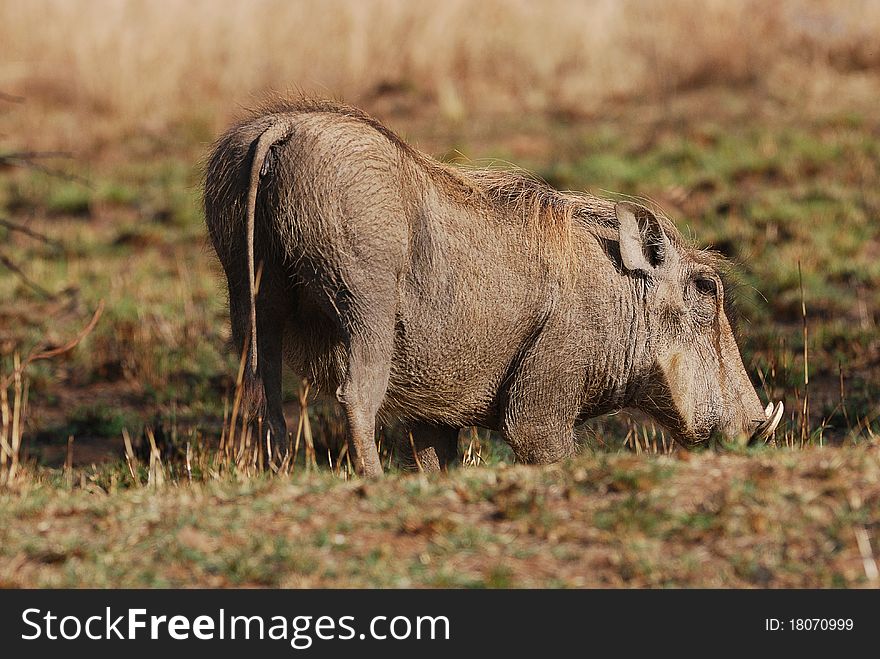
(697, 384)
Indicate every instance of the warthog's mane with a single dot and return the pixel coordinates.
(521, 195)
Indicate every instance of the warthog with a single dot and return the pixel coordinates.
(451, 297)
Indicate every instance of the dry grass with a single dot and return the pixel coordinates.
(106, 68)
(779, 519)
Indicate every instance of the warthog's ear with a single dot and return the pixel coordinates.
(642, 241)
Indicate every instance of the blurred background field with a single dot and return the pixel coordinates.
(105, 70)
(754, 125)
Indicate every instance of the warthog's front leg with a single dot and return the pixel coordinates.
(541, 401)
(537, 443)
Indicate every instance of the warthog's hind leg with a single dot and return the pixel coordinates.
(273, 309)
(369, 344)
(433, 448)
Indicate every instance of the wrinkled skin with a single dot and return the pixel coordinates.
(451, 298)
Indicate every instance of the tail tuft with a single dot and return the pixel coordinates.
(253, 397)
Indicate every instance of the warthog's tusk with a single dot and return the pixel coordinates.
(767, 427)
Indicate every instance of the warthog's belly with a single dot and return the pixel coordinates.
(450, 366)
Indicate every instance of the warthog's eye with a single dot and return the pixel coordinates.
(706, 285)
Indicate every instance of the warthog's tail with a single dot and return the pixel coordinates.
(279, 130)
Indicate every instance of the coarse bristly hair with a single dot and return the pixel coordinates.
(520, 195)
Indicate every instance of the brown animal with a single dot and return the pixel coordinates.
(451, 297)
